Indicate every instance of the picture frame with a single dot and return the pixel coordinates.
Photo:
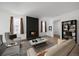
(50, 28)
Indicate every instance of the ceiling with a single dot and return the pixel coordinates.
(39, 9)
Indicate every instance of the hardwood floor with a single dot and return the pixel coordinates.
(75, 51)
(26, 45)
(51, 42)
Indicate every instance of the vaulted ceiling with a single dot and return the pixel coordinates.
(39, 9)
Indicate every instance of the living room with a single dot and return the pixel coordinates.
(41, 36)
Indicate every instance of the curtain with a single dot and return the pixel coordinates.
(11, 24)
(41, 27)
(45, 26)
(21, 26)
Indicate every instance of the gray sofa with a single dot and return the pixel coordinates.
(2, 46)
(8, 51)
(61, 49)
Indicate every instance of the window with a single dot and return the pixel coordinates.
(43, 24)
(16, 24)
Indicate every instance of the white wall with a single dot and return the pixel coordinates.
(56, 23)
(5, 22)
(56, 27)
(49, 22)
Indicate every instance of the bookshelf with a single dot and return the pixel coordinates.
(69, 30)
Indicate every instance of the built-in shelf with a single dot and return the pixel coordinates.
(69, 30)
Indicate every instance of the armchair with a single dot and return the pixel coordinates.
(8, 51)
(12, 39)
(13, 47)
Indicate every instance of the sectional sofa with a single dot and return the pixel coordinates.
(63, 48)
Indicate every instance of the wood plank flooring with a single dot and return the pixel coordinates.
(51, 42)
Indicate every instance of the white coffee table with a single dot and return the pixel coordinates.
(38, 41)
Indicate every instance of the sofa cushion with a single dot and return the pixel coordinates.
(62, 49)
(61, 41)
(2, 49)
(42, 53)
(31, 52)
(12, 51)
(66, 48)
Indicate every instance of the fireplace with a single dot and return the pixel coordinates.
(33, 35)
(32, 27)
